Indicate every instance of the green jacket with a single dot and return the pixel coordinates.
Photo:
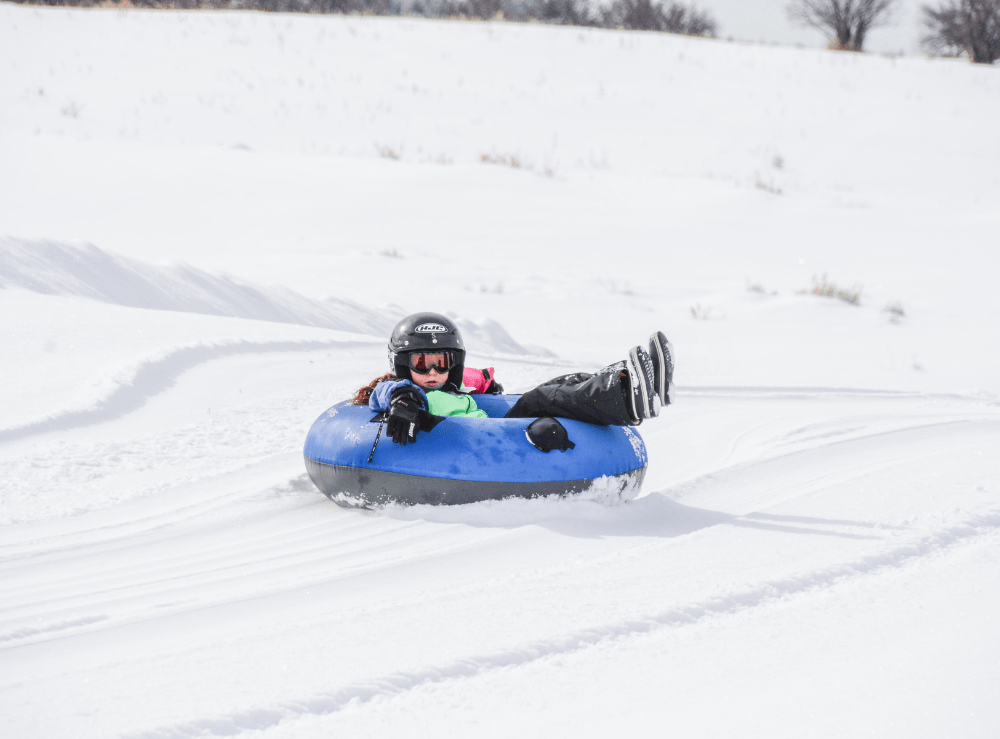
(440, 403)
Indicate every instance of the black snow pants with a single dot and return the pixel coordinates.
(599, 399)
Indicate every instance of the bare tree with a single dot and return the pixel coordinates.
(561, 12)
(848, 20)
(970, 27)
(479, 9)
(648, 15)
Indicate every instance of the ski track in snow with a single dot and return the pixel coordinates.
(153, 377)
(765, 593)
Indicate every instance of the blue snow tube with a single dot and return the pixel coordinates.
(465, 460)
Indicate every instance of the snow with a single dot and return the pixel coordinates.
(204, 236)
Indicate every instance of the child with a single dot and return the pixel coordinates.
(429, 379)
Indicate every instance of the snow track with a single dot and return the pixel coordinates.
(388, 686)
(151, 378)
(186, 587)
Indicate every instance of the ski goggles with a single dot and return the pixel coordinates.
(423, 363)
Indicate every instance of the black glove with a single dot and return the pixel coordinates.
(547, 434)
(404, 417)
(408, 393)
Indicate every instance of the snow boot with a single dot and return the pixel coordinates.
(643, 400)
(661, 352)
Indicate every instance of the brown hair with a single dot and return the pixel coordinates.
(364, 393)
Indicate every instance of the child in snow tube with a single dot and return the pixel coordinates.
(429, 380)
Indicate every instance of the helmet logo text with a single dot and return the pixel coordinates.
(430, 328)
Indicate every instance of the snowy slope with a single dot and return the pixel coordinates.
(205, 234)
(667, 154)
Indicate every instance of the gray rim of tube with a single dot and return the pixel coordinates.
(355, 487)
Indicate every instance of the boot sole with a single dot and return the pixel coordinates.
(661, 367)
(649, 408)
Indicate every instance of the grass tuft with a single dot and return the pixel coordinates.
(701, 312)
(767, 186)
(826, 289)
(387, 152)
(895, 309)
(72, 110)
(507, 160)
(757, 287)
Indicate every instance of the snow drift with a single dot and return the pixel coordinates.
(54, 268)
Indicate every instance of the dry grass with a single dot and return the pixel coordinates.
(757, 287)
(895, 311)
(767, 186)
(616, 288)
(72, 110)
(387, 152)
(507, 160)
(701, 312)
(826, 289)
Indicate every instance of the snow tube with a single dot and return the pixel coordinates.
(465, 460)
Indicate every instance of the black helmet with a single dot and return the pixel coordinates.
(426, 333)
